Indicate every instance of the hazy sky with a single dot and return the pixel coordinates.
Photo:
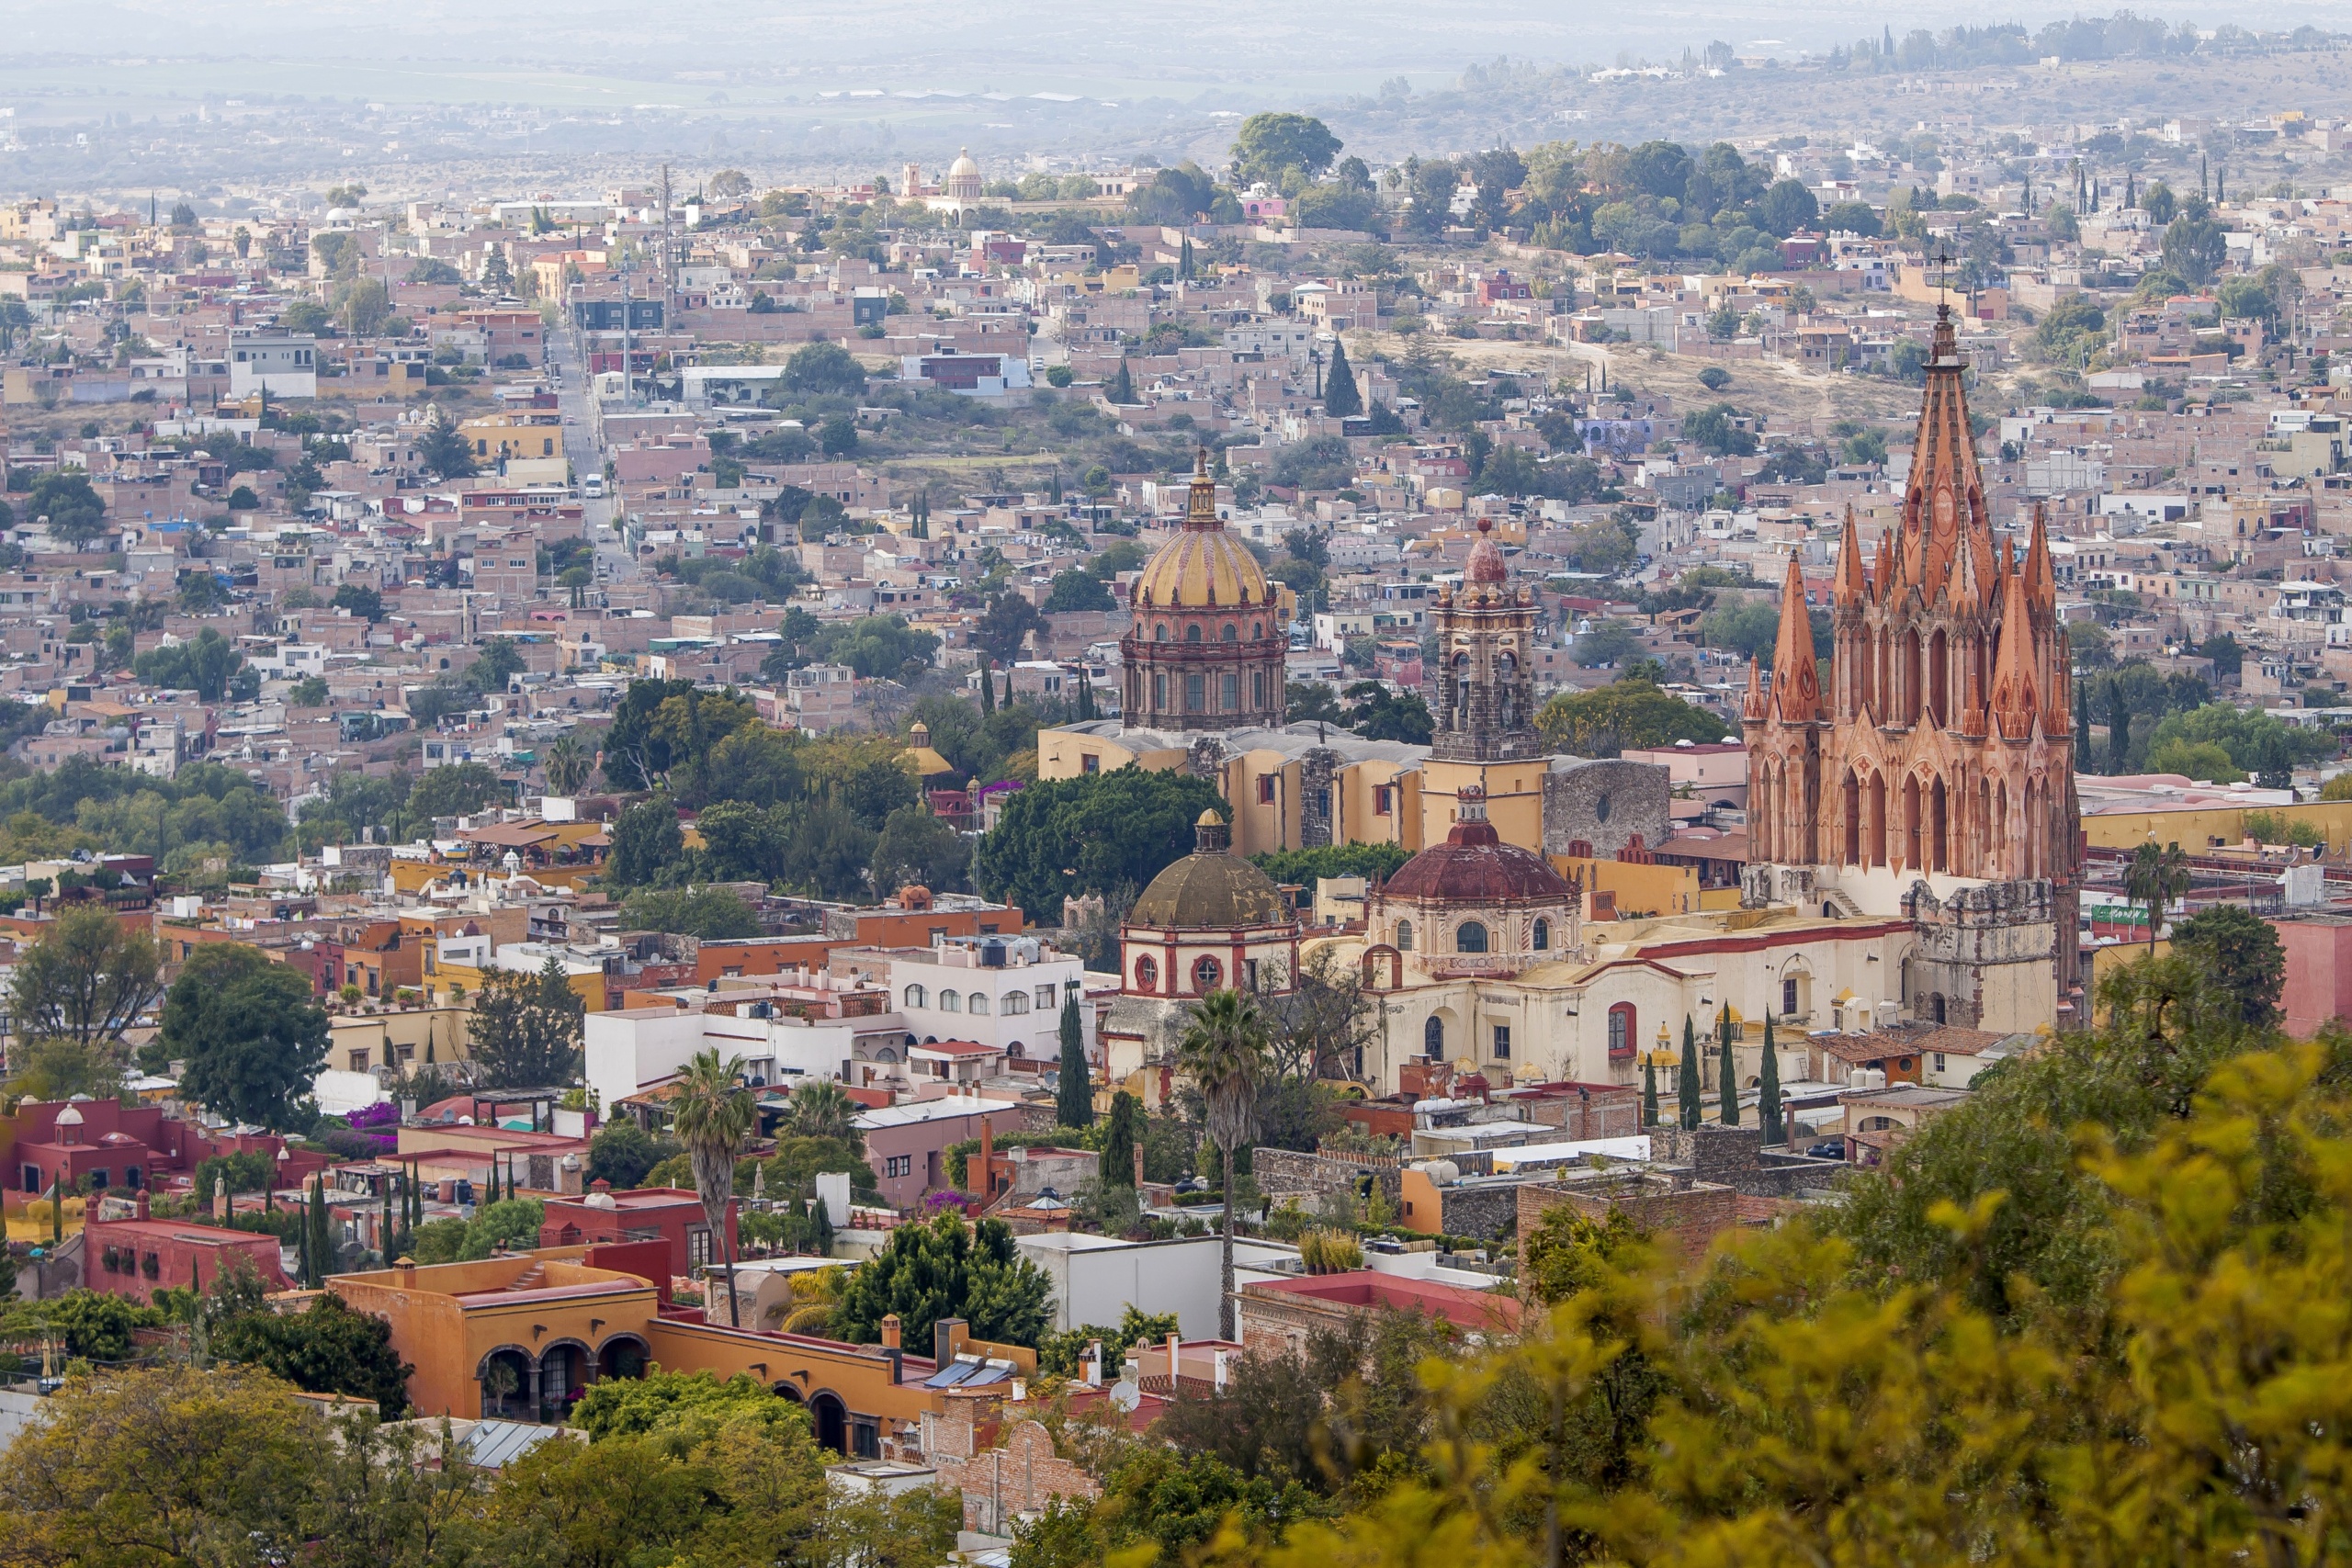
(1007, 44)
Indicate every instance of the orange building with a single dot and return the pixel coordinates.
(524, 1334)
(912, 917)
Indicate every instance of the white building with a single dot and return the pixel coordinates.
(284, 365)
(1005, 993)
(631, 1050)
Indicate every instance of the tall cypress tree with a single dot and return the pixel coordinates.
(1122, 390)
(987, 687)
(1769, 1084)
(1687, 1085)
(1727, 1085)
(2119, 728)
(1649, 1090)
(1074, 1097)
(2082, 724)
(1341, 398)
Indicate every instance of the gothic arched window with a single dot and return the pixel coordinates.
(1541, 940)
(1433, 1038)
(1404, 936)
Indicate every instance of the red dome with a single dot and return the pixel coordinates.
(1486, 563)
(1474, 866)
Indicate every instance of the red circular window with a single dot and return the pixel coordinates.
(1206, 975)
(1146, 974)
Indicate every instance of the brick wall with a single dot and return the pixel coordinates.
(1489, 1212)
(1287, 1173)
(1692, 1215)
(1019, 1477)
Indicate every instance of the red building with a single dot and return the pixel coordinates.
(135, 1258)
(671, 1215)
(96, 1143)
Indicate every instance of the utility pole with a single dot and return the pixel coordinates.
(669, 272)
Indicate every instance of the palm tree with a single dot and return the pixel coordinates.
(822, 1108)
(567, 767)
(1224, 1053)
(714, 1115)
(2155, 878)
(815, 1293)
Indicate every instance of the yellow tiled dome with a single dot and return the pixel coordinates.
(1198, 563)
(1204, 564)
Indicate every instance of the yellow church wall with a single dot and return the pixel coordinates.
(1515, 798)
(1638, 889)
(1260, 825)
(2212, 827)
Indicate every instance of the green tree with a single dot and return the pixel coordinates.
(622, 1152)
(1223, 1053)
(1121, 1133)
(85, 981)
(712, 1114)
(948, 1268)
(203, 664)
(1078, 590)
(1727, 1083)
(1632, 712)
(712, 914)
(249, 1031)
(2242, 953)
(1271, 145)
(1341, 398)
(446, 454)
(1687, 1084)
(1097, 833)
(2194, 248)
(459, 789)
(1769, 1090)
(151, 1467)
(526, 1028)
(2154, 878)
(1074, 1096)
(76, 512)
(916, 847)
(821, 369)
(329, 1348)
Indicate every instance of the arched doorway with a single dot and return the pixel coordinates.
(831, 1418)
(505, 1378)
(622, 1356)
(563, 1377)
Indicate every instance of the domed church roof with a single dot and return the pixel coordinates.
(1205, 564)
(1474, 866)
(1210, 889)
(1486, 562)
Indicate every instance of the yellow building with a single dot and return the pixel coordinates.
(517, 433)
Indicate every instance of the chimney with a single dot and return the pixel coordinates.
(946, 1338)
(142, 1203)
(981, 1185)
(890, 1332)
(1139, 1149)
(1175, 1351)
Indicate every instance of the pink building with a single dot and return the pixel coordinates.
(135, 1258)
(907, 1144)
(2319, 970)
(671, 1215)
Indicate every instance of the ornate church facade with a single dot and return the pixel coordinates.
(1932, 776)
